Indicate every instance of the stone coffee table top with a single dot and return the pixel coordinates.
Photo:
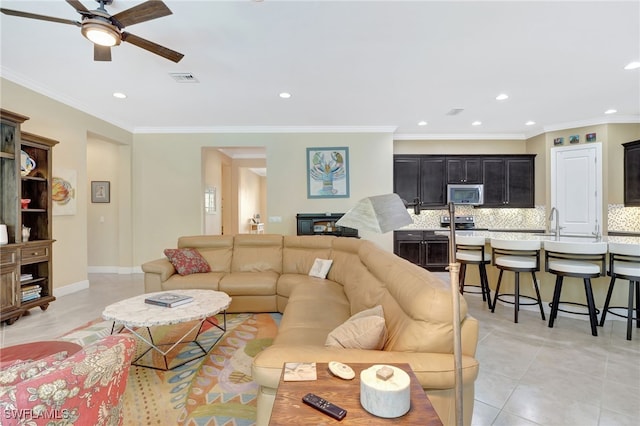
(134, 312)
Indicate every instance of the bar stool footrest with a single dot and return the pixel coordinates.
(476, 286)
(512, 302)
(625, 308)
(574, 304)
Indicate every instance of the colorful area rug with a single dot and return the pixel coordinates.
(214, 390)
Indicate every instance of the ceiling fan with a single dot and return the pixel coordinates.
(105, 30)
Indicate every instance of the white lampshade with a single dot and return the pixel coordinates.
(4, 237)
(380, 213)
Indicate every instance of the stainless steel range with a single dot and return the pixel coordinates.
(460, 222)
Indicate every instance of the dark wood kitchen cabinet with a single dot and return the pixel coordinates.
(509, 181)
(632, 173)
(422, 178)
(422, 248)
(464, 169)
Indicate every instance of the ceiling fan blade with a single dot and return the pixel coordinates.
(152, 47)
(39, 17)
(77, 6)
(146, 11)
(101, 53)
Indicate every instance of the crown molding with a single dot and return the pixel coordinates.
(612, 119)
(268, 129)
(459, 136)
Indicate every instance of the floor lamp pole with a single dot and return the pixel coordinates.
(454, 270)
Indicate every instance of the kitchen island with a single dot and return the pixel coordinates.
(573, 289)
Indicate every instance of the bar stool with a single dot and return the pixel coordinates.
(580, 260)
(470, 251)
(517, 256)
(624, 263)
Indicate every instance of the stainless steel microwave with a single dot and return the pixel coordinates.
(466, 194)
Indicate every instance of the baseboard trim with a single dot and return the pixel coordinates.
(71, 288)
(122, 270)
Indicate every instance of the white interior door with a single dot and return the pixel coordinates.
(576, 187)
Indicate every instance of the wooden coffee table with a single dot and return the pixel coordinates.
(135, 315)
(288, 408)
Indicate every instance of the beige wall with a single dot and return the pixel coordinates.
(167, 186)
(73, 129)
(471, 147)
(102, 218)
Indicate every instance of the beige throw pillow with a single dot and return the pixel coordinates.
(364, 330)
(320, 268)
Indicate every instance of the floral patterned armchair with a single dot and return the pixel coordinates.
(85, 388)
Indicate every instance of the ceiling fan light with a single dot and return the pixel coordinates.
(100, 33)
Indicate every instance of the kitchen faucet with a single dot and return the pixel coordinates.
(558, 227)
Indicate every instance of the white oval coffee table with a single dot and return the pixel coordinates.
(134, 313)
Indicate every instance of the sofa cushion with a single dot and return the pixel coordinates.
(249, 283)
(187, 261)
(364, 330)
(216, 251)
(312, 312)
(203, 281)
(257, 253)
(320, 268)
(300, 251)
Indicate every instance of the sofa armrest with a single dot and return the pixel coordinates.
(155, 273)
(469, 329)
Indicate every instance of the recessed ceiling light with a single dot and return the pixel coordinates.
(285, 95)
(119, 95)
(476, 123)
(422, 123)
(502, 97)
(611, 111)
(529, 123)
(632, 65)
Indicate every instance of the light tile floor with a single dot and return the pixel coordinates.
(530, 374)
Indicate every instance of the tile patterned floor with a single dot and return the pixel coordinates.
(530, 374)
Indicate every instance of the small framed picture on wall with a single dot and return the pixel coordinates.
(558, 141)
(100, 191)
(574, 139)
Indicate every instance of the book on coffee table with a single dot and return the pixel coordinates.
(168, 300)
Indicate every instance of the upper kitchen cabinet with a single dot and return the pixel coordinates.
(406, 177)
(433, 187)
(632, 174)
(420, 179)
(464, 170)
(509, 181)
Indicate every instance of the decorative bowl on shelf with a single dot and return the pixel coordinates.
(25, 202)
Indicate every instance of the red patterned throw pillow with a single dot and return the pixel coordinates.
(187, 261)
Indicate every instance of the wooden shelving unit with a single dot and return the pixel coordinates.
(26, 279)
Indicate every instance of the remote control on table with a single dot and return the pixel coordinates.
(325, 406)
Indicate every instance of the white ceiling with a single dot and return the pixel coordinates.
(349, 65)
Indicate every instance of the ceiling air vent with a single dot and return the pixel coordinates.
(455, 111)
(183, 77)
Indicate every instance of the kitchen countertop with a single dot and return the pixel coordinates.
(520, 236)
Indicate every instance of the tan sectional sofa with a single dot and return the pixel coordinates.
(269, 273)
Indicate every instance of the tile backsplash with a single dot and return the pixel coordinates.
(484, 218)
(620, 218)
(624, 219)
